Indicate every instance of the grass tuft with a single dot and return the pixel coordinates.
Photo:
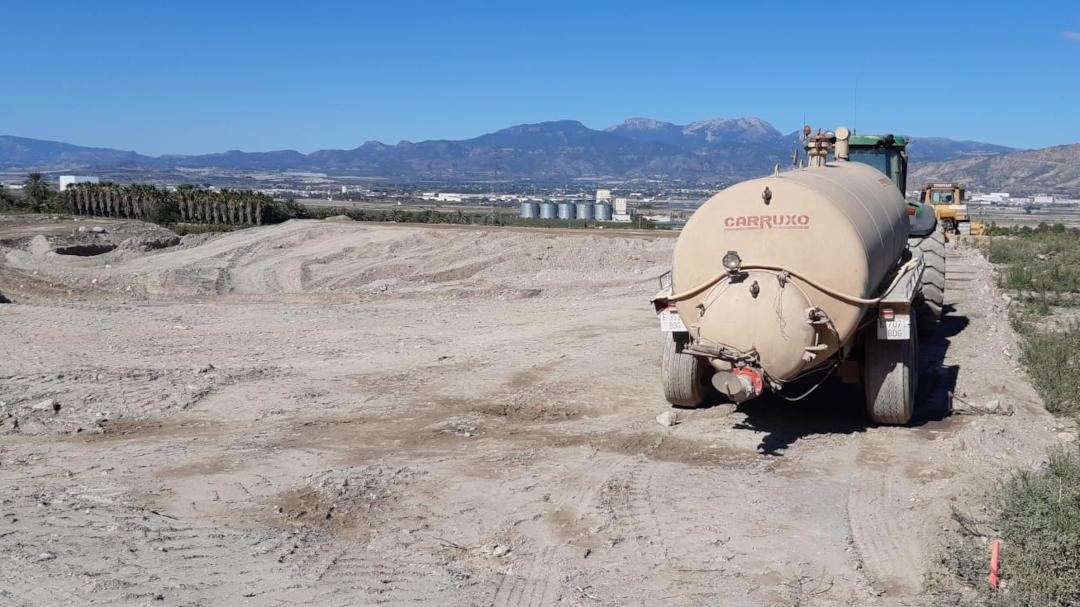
(1037, 519)
(1053, 361)
(1042, 260)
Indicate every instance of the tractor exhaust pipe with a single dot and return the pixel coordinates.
(841, 150)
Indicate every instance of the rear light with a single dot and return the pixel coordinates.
(887, 314)
(671, 306)
(911, 210)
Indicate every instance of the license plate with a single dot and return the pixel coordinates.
(898, 327)
(670, 321)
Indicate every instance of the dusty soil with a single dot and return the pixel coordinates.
(344, 414)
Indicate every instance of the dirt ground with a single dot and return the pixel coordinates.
(339, 413)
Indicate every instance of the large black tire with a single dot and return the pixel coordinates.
(891, 377)
(686, 377)
(930, 301)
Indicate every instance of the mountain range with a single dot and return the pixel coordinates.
(1053, 170)
(708, 151)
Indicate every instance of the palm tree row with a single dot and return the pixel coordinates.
(226, 206)
(112, 200)
(186, 204)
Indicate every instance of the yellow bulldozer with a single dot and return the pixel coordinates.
(951, 208)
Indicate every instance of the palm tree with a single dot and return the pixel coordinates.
(185, 200)
(82, 198)
(99, 200)
(110, 195)
(93, 191)
(36, 190)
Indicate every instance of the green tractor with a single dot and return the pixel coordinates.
(888, 154)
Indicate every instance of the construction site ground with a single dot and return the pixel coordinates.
(341, 413)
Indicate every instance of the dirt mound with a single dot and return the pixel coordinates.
(150, 242)
(356, 259)
(39, 233)
(352, 502)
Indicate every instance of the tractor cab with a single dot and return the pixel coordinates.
(886, 153)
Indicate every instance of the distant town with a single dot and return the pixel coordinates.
(664, 205)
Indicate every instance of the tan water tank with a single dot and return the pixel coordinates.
(843, 226)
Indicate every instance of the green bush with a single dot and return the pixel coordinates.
(460, 217)
(182, 229)
(9, 203)
(1039, 520)
(1036, 515)
(277, 211)
(1053, 361)
(1044, 259)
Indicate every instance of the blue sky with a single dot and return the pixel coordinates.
(196, 77)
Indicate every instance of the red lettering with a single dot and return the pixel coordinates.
(767, 222)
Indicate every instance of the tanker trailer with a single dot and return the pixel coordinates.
(784, 279)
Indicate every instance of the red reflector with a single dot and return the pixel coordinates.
(910, 210)
(887, 314)
(671, 306)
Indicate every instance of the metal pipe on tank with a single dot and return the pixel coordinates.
(842, 150)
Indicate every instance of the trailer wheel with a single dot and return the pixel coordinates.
(930, 301)
(685, 377)
(891, 377)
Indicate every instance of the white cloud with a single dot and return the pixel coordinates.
(1070, 35)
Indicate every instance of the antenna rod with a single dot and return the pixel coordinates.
(855, 120)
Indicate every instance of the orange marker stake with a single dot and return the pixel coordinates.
(994, 549)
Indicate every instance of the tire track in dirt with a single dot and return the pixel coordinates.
(637, 514)
(642, 510)
(542, 584)
(889, 553)
(144, 554)
(878, 495)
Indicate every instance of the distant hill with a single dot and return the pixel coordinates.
(721, 149)
(17, 152)
(939, 149)
(719, 131)
(1054, 170)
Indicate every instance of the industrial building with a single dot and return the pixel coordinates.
(584, 210)
(621, 211)
(66, 180)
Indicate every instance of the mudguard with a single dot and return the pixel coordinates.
(922, 220)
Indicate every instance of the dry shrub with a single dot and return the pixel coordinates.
(1036, 515)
